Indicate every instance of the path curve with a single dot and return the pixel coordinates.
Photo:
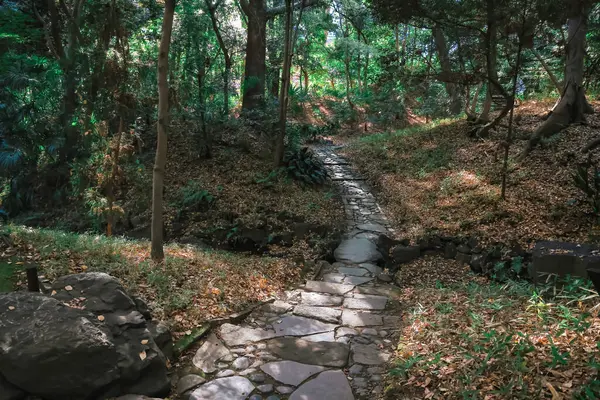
(328, 339)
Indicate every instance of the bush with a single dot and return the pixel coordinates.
(587, 179)
(194, 196)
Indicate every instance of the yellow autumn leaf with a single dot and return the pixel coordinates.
(145, 341)
(53, 293)
(84, 267)
(143, 355)
(100, 317)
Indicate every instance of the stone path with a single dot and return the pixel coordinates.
(328, 339)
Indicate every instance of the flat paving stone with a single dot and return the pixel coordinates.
(234, 335)
(321, 337)
(369, 354)
(317, 299)
(321, 313)
(189, 382)
(277, 307)
(372, 268)
(372, 228)
(328, 385)
(290, 372)
(357, 280)
(232, 388)
(365, 302)
(326, 287)
(352, 271)
(300, 326)
(334, 278)
(357, 318)
(207, 355)
(345, 331)
(357, 251)
(327, 354)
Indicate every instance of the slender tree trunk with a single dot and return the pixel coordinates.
(491, 51)
(548, 70)
(451, 89)
(111, 184)
(207, 140)
(306, 79)
(285, 84)
(573, 105)
(212, 12)
(157, 252)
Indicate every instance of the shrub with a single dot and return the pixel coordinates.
(305, 167)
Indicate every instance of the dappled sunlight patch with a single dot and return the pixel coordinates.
(464, 336)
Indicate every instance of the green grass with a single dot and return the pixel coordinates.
(8, 273)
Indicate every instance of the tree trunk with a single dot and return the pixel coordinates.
(573, 104)
(212, 8)
(256, 51)
(548, 70)
(111, 183)
(491, 52)
(306, 79)
(157, 252)
(207, 140)
(451, 89)
(285, 84)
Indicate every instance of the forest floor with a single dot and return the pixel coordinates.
(434, 178)
(465, 336)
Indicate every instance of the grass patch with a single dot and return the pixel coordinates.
(190, 287)
(466, 337)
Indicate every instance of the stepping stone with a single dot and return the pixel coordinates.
(290, 372)
(352, 271)
(372, 228)
(234, 335)
(372, 268)
(379, 291)
(317, 299)
(326, 287)
(369, 354)
(357, 280)
(208, 354)
(327, 354)
(345, 331)
(357, 251)
(277, 307)
(268, 388)
(232, 388)
(334, 278)
(189, 382)
(328, 385)
(323, 313)
(285, 389)
(357, 318)
(300, 326)
(320, 337)
(365, 302)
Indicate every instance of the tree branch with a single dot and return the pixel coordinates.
(274, 11)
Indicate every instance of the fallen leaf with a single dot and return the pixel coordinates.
(143, 355)
(145, 341)
(100, 317)
(11, 308)
(188, 332)
(68, 288)
(53, 293)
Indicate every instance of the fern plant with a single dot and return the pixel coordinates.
(305, 167)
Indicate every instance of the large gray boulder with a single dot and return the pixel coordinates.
(86, 341)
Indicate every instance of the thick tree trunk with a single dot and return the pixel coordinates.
(256, 52)
(451, 89)
(573, 104)
(491, 51)
(158, 177)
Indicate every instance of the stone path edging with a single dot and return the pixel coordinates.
(328, 339)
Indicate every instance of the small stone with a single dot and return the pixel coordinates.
(189, 382)
(345, 331)
(247, 372)
(273, 397)
(277, 307)
(261, 346)
(250, 349)
(383, 277)
(369, 331)
(360, 382)
(285, 389)
(376, 378)
(374, 370)
(228, 358)
(258, 377)
(343, 339)
(362, 339)
(238, 351)
(222, 365)
(383, 333)
(225, 373)
(241, 363)
(268, 388)
(257, 363)
(355, 370)
(255, 397)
